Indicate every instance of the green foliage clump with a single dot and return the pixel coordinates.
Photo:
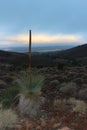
(8, 96)
(33, 89)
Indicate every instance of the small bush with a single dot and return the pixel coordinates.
(8, 119)
(69, 88)
(61, 105)
(8, 96)
(78, 105)
(30, 99)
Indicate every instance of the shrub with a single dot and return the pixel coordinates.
(69, 88)
(8, 96)
(30, 91)
(8, 119)
(30, 98)
(61, 105)
(78, 105)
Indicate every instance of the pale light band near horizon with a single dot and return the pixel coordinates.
(43, 39)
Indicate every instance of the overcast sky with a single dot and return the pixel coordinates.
(51, 21)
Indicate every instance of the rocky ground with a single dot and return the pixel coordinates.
(58, 113)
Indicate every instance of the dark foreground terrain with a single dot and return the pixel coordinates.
(64, 89)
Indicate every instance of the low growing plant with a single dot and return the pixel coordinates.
(30, 91)
(8, 119)
(69, 88)
(78, 105)
(8, 96)
(30, 98)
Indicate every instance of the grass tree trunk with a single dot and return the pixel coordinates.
(30, 107)
(30, 53)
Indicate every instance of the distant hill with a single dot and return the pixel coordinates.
(75, 52)
(13, 58)
(22, 59)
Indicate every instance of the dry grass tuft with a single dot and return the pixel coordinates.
(78, 105)
(8, 119)
(71, 105)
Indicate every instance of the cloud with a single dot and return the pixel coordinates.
(43, 38)
(58, 38)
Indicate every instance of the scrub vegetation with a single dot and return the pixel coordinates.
(56, 99)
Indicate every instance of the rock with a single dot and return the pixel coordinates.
(65, 128)
(56, 125)
(39, 128)
(82, 94)
(43, 123)
(18, 127)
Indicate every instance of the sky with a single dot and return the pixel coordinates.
(51, 21)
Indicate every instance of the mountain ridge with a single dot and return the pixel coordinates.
(75, 52)
(78, 53)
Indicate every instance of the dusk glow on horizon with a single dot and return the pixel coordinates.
(43, 39)
(51, 21)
